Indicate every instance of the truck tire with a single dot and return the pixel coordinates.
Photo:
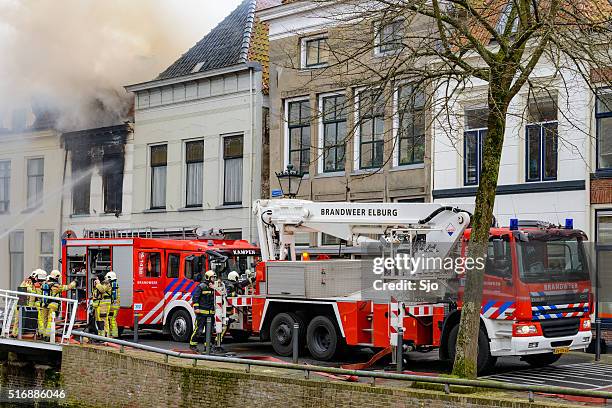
(485, 361)
(541, 360)
(322, 338)
(180, 326)
(240, 336)
(281, 333)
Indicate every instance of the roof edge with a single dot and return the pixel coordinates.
(157, 83)
(248, 31)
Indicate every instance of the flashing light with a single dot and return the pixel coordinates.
(514, 224)
(305, 256)
(569, 223)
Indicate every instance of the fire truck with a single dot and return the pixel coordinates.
(156, 275)
(536, 299)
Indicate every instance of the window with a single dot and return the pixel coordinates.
(194, 159)
(5, 186)
(229, 235)
(81, 177)
(604, 227)
(46, 250)
(603, 116)
(112, 183)
(541, 139)
(152, 262)
(232, 157)
(473, 139)
(35, 182)
(411, 132)
(371, 129)
(315, 52)
(16, 259)
(299, 134)
(389, 37)
(504, 18)
(159, 161)
(334, 132)
(174, 264)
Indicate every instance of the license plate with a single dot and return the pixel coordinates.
(561, 350)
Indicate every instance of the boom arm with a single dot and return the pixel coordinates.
(278, 220)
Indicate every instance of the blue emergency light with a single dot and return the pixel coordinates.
(277, 193)
(569, 223)
(514, 224)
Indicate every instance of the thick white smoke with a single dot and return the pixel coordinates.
(72, 57)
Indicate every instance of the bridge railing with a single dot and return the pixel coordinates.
(18, 319)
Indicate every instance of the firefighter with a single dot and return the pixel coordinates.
(56, 289)
(42, 288)
(115, 304)
(204, 307)
(101, 305)
(235, 286)
(26, 286)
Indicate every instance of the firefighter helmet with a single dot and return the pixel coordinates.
(233, 276)
(210, 275)
(34, 273)
(110, 276)
(55, 275)
(41, 275)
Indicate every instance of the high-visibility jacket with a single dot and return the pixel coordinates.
(29, 288)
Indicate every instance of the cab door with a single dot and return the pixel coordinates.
(499, 292)
(149, 286)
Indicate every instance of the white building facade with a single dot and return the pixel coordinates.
(544, 168)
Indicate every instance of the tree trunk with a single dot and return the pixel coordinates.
(465, 364)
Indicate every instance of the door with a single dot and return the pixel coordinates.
(149, 286)
(499, 293)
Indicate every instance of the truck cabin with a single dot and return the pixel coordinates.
(141, 261)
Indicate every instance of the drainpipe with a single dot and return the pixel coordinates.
(252, 153)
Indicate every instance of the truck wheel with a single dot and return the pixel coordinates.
(281, 330)
(181, 326)
(485, 361)
(240, 336)
(322, 338)
(541, 360)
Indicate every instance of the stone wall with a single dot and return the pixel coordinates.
(102, 378)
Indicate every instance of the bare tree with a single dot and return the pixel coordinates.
(441, 48)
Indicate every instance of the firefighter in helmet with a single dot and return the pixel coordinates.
(235, 286)
(102, 293)
(41, 288)
(26, 286)
(204, 307)
(115, 303)
(54, 280)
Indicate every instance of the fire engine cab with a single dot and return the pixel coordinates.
(156, 275)
(536, 301)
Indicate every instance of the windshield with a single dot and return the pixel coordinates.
(239, 263)
(557, 259)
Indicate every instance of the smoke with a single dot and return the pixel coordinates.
(70, 59)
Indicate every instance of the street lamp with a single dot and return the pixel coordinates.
(289, 181)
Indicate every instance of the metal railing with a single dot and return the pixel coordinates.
(13, 307)
(446, 382)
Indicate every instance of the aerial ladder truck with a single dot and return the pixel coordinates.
(536, 299)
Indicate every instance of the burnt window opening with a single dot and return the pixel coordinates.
(112, 182)
(81, 176)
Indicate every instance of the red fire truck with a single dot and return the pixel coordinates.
(537, 295)
(155, 275)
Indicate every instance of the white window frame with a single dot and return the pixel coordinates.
(184, 170)
(395, 131)
(286, 126)
(222, 169)
(42, 254)
(27, 180)
(357, 133)
(377, 27)
(150, 174)
(303, 42)
(320, 128)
